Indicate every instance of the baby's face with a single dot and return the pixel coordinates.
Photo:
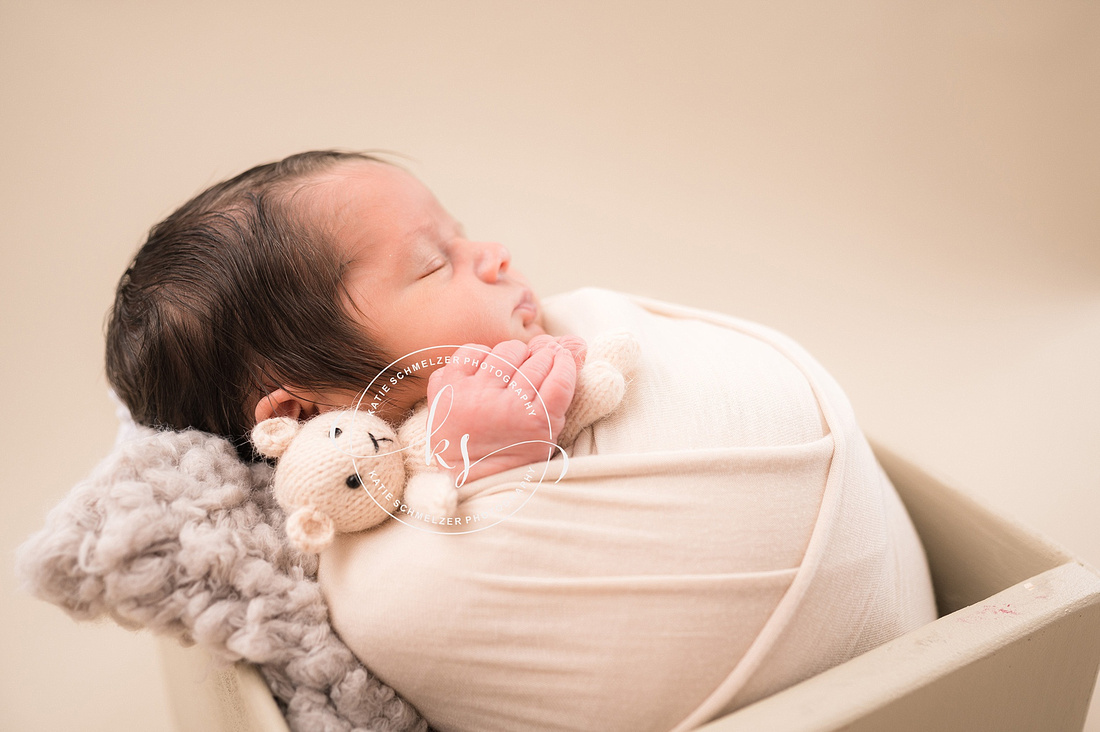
(417, 278)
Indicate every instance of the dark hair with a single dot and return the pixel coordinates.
(236, 293)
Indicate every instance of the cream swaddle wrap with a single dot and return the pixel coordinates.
(724, 534)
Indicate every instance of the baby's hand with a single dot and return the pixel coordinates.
(499, 413)
(574, 344)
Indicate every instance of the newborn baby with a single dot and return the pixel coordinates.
(287, 290)
(725, 533)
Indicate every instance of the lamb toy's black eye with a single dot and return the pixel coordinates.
(336, 432)
(354, 481)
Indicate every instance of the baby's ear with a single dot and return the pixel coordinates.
(272, 436)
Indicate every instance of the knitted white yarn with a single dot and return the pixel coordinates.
(173, 532)
(601, 382)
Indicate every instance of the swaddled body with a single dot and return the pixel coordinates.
(725, 533)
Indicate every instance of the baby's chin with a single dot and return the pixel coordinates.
(534, 328)
(528, 329)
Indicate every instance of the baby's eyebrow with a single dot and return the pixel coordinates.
(421, 235)
(421, 247)
(421, 232)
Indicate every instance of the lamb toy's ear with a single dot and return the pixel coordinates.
(310, 529)
(272, 436)
(619, 348)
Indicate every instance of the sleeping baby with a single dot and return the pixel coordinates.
(724, 534)
(285, 290)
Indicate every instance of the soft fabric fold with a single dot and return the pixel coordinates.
(724, 534)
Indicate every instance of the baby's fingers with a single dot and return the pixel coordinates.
(506, 358)
(537, 367)
(577, 346)
(557, 388)
(467, 359)
(500, 361)
(572, 343)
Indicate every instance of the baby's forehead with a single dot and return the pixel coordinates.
(381, 188)
(373, 207)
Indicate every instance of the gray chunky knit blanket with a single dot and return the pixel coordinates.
(173, 532)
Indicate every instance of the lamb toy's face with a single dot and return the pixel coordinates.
(333, 472)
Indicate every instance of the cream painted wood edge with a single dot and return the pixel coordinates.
(973, 551)
(259, 700)
(845, 693)
(208, 698)
(911, 479)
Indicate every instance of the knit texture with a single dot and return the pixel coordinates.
(172, 532)
(601, 382)
(334, 473)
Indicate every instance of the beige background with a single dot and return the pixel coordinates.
(911, 192)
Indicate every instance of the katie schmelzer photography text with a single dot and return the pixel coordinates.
(493, 505)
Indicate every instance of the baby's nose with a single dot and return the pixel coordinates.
(493, 259)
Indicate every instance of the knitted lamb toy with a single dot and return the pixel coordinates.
(320, 460)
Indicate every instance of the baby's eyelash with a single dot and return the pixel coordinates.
(435, 268)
